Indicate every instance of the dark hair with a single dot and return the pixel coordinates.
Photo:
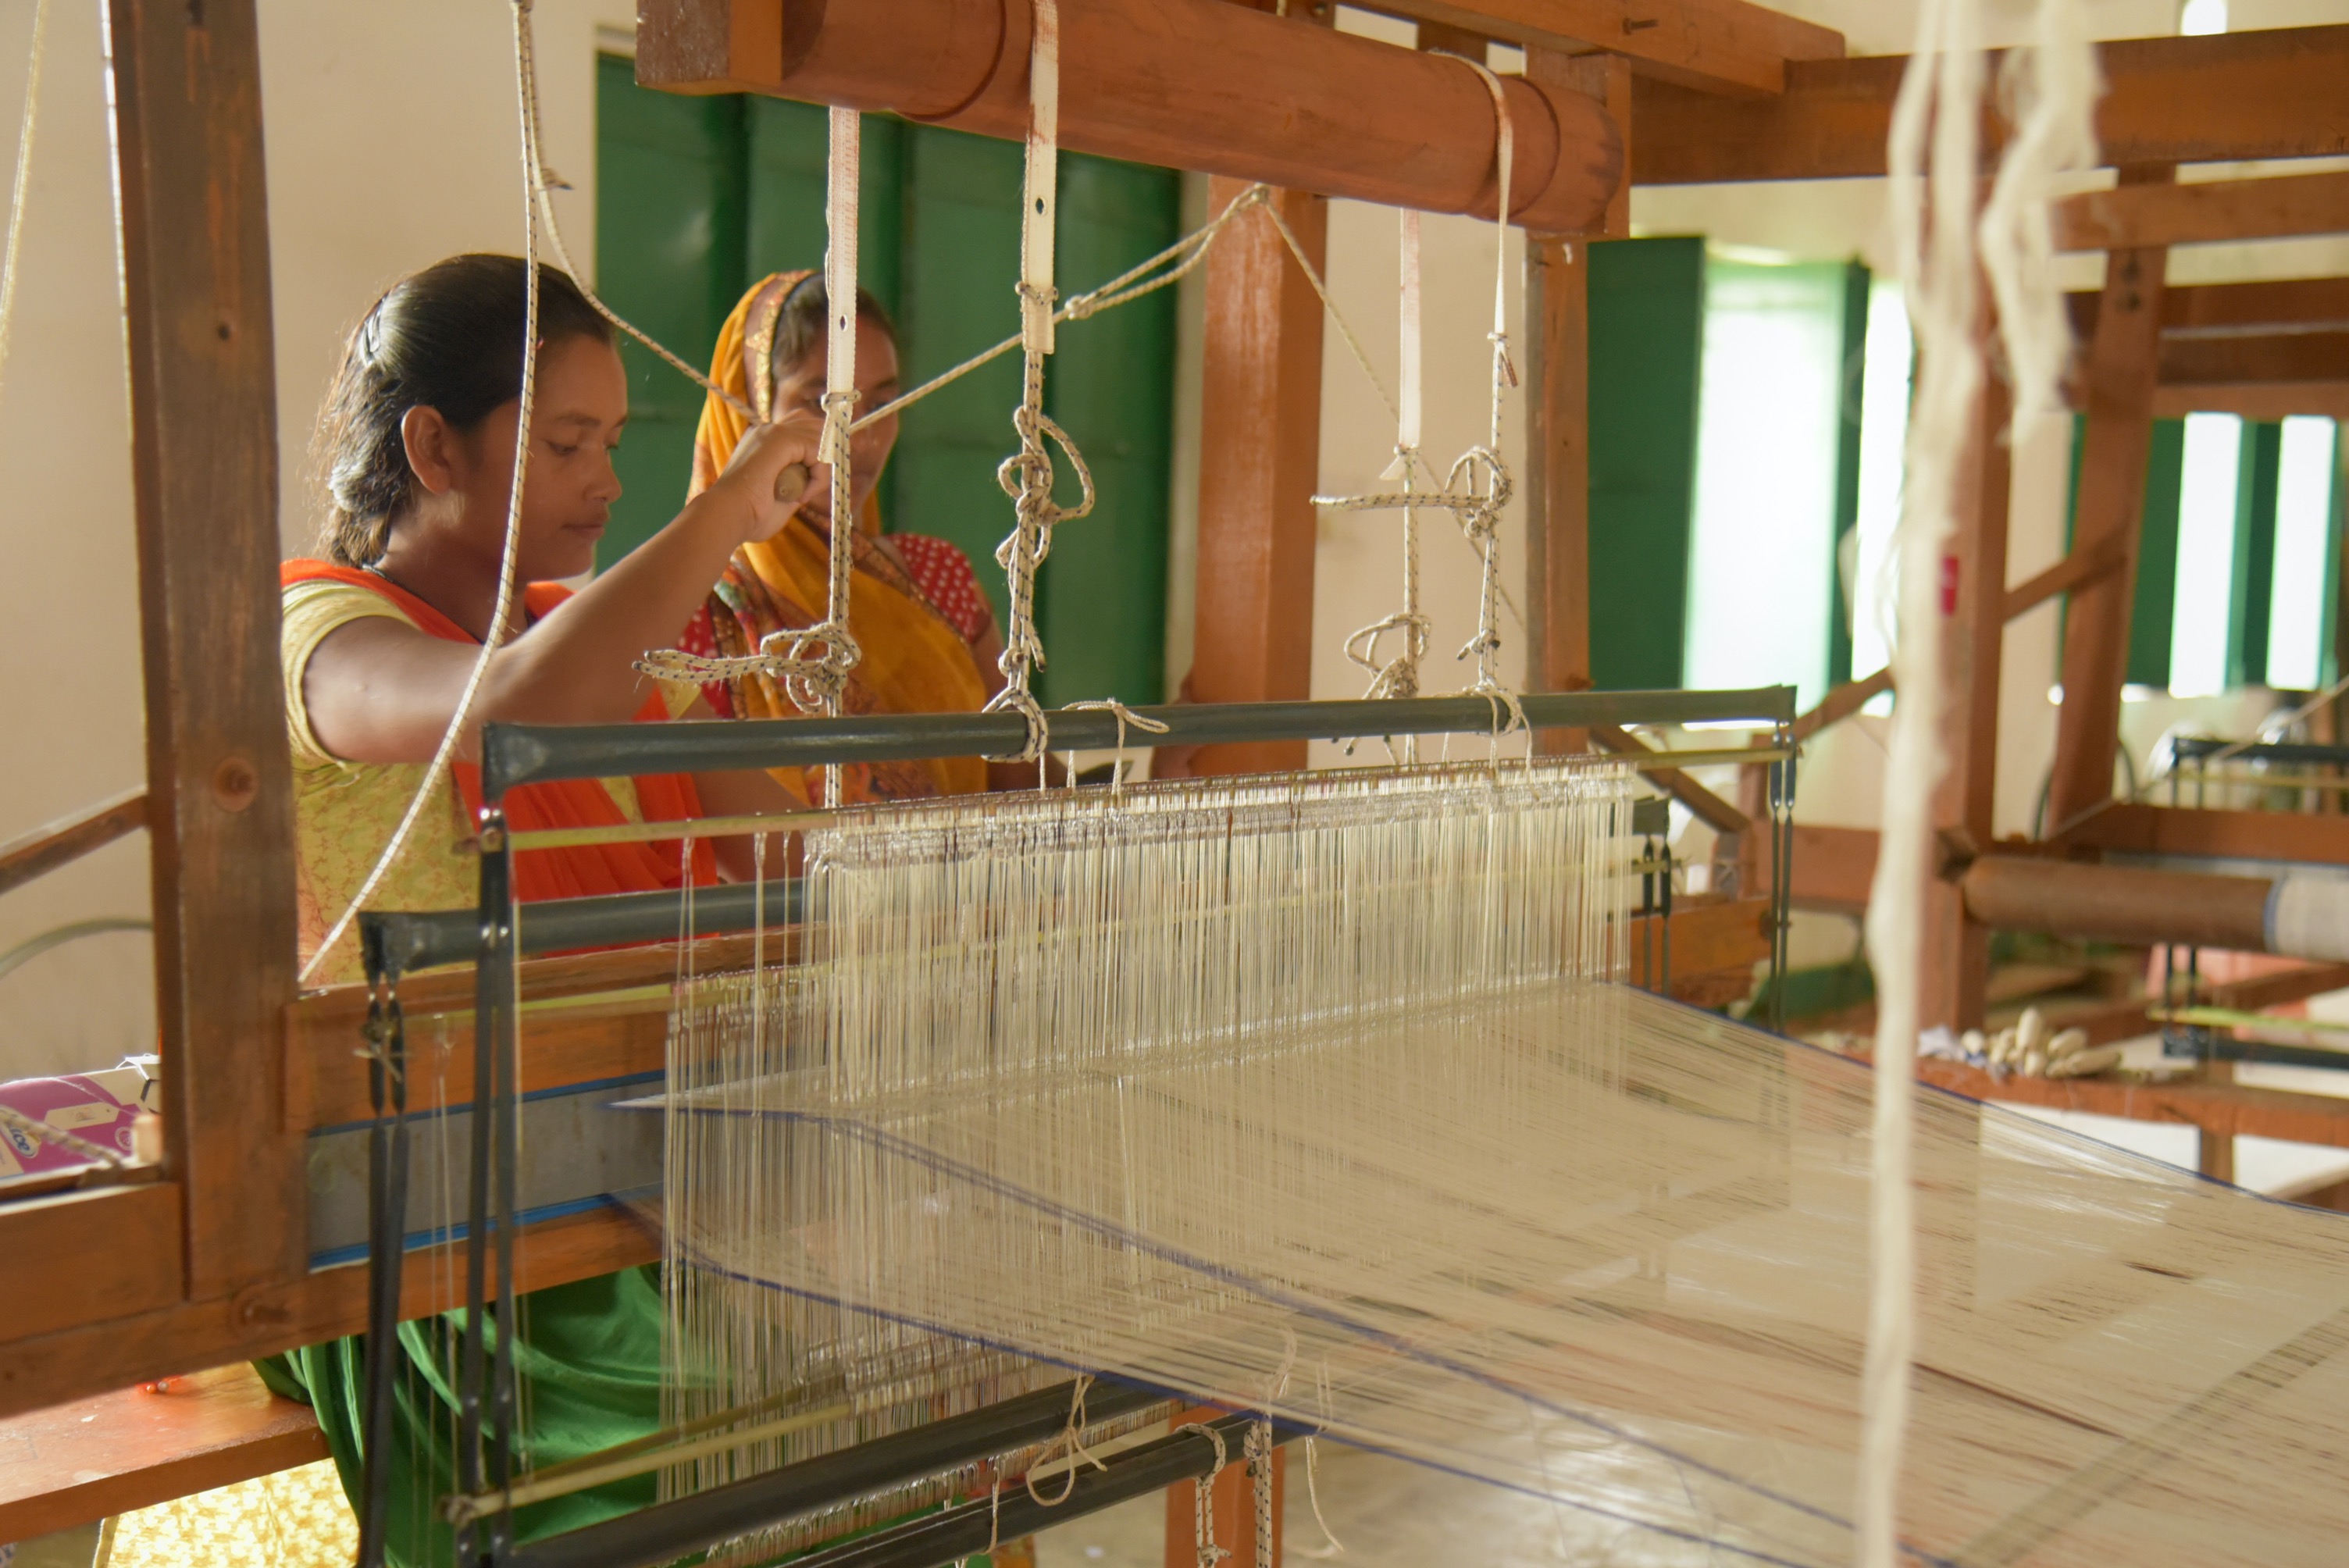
(446, 338)
(806, 316)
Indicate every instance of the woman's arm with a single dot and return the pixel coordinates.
(380, 691)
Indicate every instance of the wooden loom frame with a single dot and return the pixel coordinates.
(205, 1264)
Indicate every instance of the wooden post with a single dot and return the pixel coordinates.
(1557, 312)
(1957, 949)
(186, 94)
(2123, 365)
(1259, 463)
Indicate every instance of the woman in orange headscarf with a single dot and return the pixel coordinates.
(928, 638)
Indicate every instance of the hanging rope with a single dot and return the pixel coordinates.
(1027, 476)
(1934, 154)
(23, 178)
(1205, 1554)
(526, 93)
(1477, 489)
(1399, 677)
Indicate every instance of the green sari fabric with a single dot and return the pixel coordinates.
(588, 1361)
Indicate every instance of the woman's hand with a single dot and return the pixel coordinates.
(747, 489)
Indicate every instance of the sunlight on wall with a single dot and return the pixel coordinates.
(2209, 496)
(1766, 477)
(1866, 559)
(2303, 576)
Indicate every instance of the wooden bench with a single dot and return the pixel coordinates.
(74, 1463)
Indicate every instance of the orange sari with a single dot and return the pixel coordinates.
(582, 871)
(914, 661)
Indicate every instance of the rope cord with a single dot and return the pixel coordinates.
(1257, 1447)
(1476, 490)
(1205, 1553)
(1068, 1444)
(526, 92)
(1124, 717)
(24, 177)
(1027, 476)
(1934, 158)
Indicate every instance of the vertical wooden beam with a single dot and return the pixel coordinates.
(2124, 367)
(1259, 463)
(186, 94)
(1557, 311)
(1957, 949)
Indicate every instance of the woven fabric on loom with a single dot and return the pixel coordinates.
(1321, 1096)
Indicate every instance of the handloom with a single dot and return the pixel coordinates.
(1417, 1174)
(488, 1210)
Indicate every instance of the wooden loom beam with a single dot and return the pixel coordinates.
(1224, 88)
(44, 848)
(226, 1217)
(1709, 45)
(2134, 217)
(2215, 310)
(2276, 93)
(2122, 360)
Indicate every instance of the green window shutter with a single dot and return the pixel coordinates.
(2157, 548)
(2157, 551)
(788, 155)
(1857, 281)
(2255, 548)
(668, 257)
(1102, 594)
(1647, 337)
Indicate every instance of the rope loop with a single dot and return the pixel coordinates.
(1125, 716)
(1071, 1442)
(1015, 700)
(1203, 1500)
(1397, 676)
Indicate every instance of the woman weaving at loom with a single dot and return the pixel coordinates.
(418, 443)
(928, 636)
(379, 639)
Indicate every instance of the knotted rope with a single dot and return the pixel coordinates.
(1071, 1443)
(1027, 475)
(1207, 1554)
(1476, 490)
(1124, 715)
(813, 665)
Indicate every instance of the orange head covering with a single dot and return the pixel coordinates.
(914, 660)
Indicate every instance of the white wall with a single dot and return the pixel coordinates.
(391, 142)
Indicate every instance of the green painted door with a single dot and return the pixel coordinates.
(961, 266)
(668, 257)
(696, 196)
(1102, 596)
(1647, 342)
(2151, 607)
